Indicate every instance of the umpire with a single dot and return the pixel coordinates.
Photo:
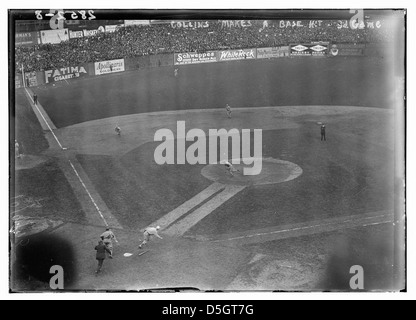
(323, 133)
(101, 255)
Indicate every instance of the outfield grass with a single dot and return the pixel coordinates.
(358, 81)
(28, 131)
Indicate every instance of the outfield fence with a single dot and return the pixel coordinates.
(294, 50)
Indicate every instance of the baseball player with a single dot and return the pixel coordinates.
(35, 99)
(107, 237)
(175, 72)
(228, 108)
(17, 149)
(117, 130)
(230, 168)
(150, 231)
(323, 133)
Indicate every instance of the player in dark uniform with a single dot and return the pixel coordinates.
(117, 130)
(228, 109)
(323, 133)
(35, 99)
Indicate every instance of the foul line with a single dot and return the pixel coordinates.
(89, 194)
(41, 114)
(73, 168)
(307, 227)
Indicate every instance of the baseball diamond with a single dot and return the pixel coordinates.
(315, 209)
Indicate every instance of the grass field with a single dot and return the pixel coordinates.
(346, 181)
(278, 82)
(27, 128)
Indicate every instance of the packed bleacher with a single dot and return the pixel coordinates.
(134, 41)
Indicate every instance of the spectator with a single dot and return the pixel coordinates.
(133, 41)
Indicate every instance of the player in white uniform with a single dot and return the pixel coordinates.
(107, 237)
(117, 130)
(228, 108)
(176, 72)
(230, 168)
(150, 231)
(17, 149)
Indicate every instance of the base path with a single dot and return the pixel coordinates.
(307, 228)
(180, 211)
(183, 225)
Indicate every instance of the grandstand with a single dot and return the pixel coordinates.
(139, 40)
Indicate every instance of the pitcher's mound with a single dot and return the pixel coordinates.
(273, 171)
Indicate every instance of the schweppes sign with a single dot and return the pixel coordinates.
(65, 74)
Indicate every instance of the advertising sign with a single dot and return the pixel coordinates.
(75, 34)
(63, 74)
(54, 36)
(192, 58)
(310, 49)
(343, 49)
(112, 28)
(136, 22)
(27, 39)
(18, 81)
(111, 66)
(31, 79)
(275, 52)
(240, 54)
(94, 32)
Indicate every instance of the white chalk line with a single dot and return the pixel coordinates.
(50, 129)
(89, 194)
(376, 223)
(73, 168)
(305, 228)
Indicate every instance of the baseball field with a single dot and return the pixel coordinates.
(317, 208)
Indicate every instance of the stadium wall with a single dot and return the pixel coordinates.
(377, 50)
(149, 61)
(162, 60)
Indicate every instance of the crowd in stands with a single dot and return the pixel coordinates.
(163, 38)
